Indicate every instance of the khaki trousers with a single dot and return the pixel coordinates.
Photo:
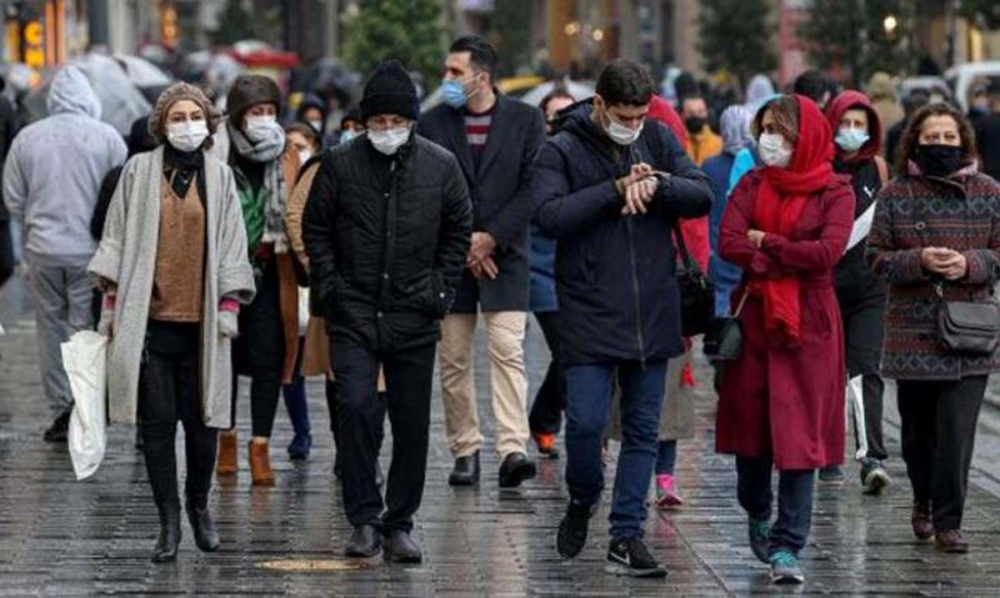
(508, 382)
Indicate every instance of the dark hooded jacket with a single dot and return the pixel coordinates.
(615, 275)
(855, 280)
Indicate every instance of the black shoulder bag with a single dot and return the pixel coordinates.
(696, 292)
(965, 326)
(724, 339)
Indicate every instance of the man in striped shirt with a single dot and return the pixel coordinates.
(495, 139)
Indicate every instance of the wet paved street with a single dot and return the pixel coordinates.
(61, 537)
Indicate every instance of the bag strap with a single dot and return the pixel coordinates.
(689, 264)
(883, 169)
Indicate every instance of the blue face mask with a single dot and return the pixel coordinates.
(851, 140)
(453, 93)
(347, 135)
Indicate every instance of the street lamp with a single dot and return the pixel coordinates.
(889, 24)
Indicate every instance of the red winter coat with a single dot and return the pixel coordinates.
(788, 401)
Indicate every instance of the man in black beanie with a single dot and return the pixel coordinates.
(387, 227)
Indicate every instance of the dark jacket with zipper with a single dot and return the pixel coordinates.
(855, 281)
(387, 239)
(498, 187)
(615, 275)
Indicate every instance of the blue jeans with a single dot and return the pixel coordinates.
(666, 457)
(589, 389)
(795, 500)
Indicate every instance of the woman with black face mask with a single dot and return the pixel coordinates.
(935, 240)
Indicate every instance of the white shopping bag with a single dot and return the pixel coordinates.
(85, 361)
(303, 310)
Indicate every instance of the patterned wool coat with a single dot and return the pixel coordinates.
(962, 213)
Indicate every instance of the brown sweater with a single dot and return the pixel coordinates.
(179, 281)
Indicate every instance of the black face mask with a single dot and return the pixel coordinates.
(694, 124)
(939, 160)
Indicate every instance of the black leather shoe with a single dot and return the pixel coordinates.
(365, 543)
(515, 469)
(400, 548)
(466, 472)
(206, 534)
(165, 550)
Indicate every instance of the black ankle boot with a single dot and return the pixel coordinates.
(165, 550)
(206, 534)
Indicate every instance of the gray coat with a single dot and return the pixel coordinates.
(127, 257)
(499, 188)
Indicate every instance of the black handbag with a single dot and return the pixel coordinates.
(724, 339)
(967, 327)
(696, 292)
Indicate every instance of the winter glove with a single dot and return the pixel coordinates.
(105, 326)
(229, 320)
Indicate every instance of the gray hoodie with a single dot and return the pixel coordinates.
(54, 172)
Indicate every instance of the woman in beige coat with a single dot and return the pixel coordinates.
(173, 266)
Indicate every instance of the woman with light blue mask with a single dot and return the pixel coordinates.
(857, 133)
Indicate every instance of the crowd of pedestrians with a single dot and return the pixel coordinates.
(848, 239)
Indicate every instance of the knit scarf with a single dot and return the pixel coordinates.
(268, 151)
(781, 198)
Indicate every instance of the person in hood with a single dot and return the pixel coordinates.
(609, 187)
(735, 125)
(495, 139)
(312, 112)
(51, 181)
(174, 270)
(265, 166)
(882, 91)
(351, 126)
(857, 138)
(759, 90)
(384, 279)
(781, 403)
(935, 239)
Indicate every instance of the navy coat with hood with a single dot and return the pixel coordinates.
(615, 275)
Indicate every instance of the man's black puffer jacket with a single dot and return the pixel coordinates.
(387, 239)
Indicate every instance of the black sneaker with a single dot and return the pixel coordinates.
(630, 557)
(59, 429)
(573, 530)
(874, 477)
(759, 531)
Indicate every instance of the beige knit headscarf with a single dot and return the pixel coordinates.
(170, 96)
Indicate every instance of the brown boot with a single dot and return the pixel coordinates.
(260, 464)
(226, 461)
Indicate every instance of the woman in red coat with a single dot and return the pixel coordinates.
(781, 404)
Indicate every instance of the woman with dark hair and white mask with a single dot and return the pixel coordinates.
(173, 267)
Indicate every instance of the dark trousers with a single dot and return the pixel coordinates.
(589, 391)
(939, 433)
(169, 392)
(259, 352)
(795, 500)
(331, 405)
(550, 401)
(863, 331)
(408, 376)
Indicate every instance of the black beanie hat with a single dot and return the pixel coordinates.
(389, 90)
(247, 92)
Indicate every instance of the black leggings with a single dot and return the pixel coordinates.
(168, 393)
(259, 351)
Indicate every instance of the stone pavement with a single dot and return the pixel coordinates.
(62, 537)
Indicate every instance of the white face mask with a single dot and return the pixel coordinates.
(390, 140)
(773, 151)
(260, 128)
(304, 156)
(621, 134)
(187, 136)
(317, 125)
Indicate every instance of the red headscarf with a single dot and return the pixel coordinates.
(855, 100)
(781, 198)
